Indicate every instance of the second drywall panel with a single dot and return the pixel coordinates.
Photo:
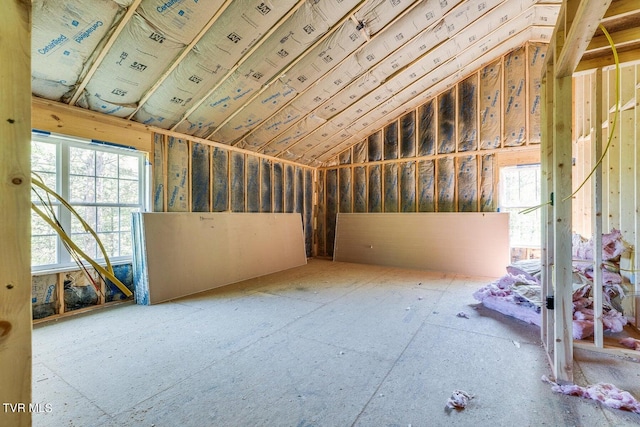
(464, 242)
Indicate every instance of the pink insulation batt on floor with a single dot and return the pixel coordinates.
(518, 293)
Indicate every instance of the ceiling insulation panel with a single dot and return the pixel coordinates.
(298, 79)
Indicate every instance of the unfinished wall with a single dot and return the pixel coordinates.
(444, 155)
(191, 176)
(620, 165)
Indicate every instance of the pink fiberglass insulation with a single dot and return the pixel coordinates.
(518, 293)
(607, 394)
(631, 343)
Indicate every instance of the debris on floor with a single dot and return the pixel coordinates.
(607, 394)
(463, 314)
(519, 294)
(631, 343)
(459, 400)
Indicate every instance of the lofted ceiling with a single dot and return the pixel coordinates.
(297, 79)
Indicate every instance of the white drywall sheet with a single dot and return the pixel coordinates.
(463, 242)
(178, 254)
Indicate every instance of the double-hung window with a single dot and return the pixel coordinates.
(102, 182)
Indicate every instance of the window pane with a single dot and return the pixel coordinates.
(125, 243)
(108, 219)
(86, 242)
(129, 167)
(125, 217)
(39, 226)
(82, 161)
(43, 250)
(82, 189)
(110, 243)
(49, 180)
(129, 192)
(106, 190)
(88, 214)
(43, 157)
(106, 164)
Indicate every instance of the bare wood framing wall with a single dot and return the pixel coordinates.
(445, 155)
(15, 252)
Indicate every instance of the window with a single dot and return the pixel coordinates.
(103, 183)
(520, 189)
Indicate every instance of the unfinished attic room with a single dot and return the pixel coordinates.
(320, 213)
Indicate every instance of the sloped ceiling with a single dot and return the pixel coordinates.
(295, 79)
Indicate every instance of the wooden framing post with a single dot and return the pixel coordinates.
(562, 203)
(15, 224)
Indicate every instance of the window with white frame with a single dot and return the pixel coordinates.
(520, 189)
(103, 183)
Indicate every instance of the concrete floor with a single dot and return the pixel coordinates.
(326, 344)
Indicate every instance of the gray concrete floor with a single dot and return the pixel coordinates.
(326, 344)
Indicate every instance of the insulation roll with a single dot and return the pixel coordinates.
(426, 186)
(177, 167)
(278, 188)
(375, 147)
(332, 209)
(487, 202)
(200, 178)
(220, 190)
(468, 113)
(359, 189)
(391, 141)
(515, 106)
(537, 54)
(158, 173)
(446, 122)
(360, 152)
(237, 182)
(253, 184)
(391, 187)
(375, 188)
(408, 187)
(289, 185)
(446, 184)
(490, 105)
(308, 211)
(299, 196)
(426, 129)
(467, 183)
(321, 215)
(408, 135)
(265, 185)
(344, 204)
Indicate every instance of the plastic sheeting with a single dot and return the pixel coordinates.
(237, 182)
(289, 190)
(426, 129)
(265, 185)
(344, 204)
(359, 189)
(537, 54)
(408, 135)
(332, 209)
(391, 187)
(446, 184)
(220, 190)
(391, 141)
(375, 147)
(200, 178)
(426, 186)
(408, 187)
(178, 162)
(487, 202)
(468, 113)
(158, 173)
(278, 188)
(375, 188)
(446, 122)
(467, 184)
(515, 106)
(253, 184)
(344, 158)
(490, 107)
